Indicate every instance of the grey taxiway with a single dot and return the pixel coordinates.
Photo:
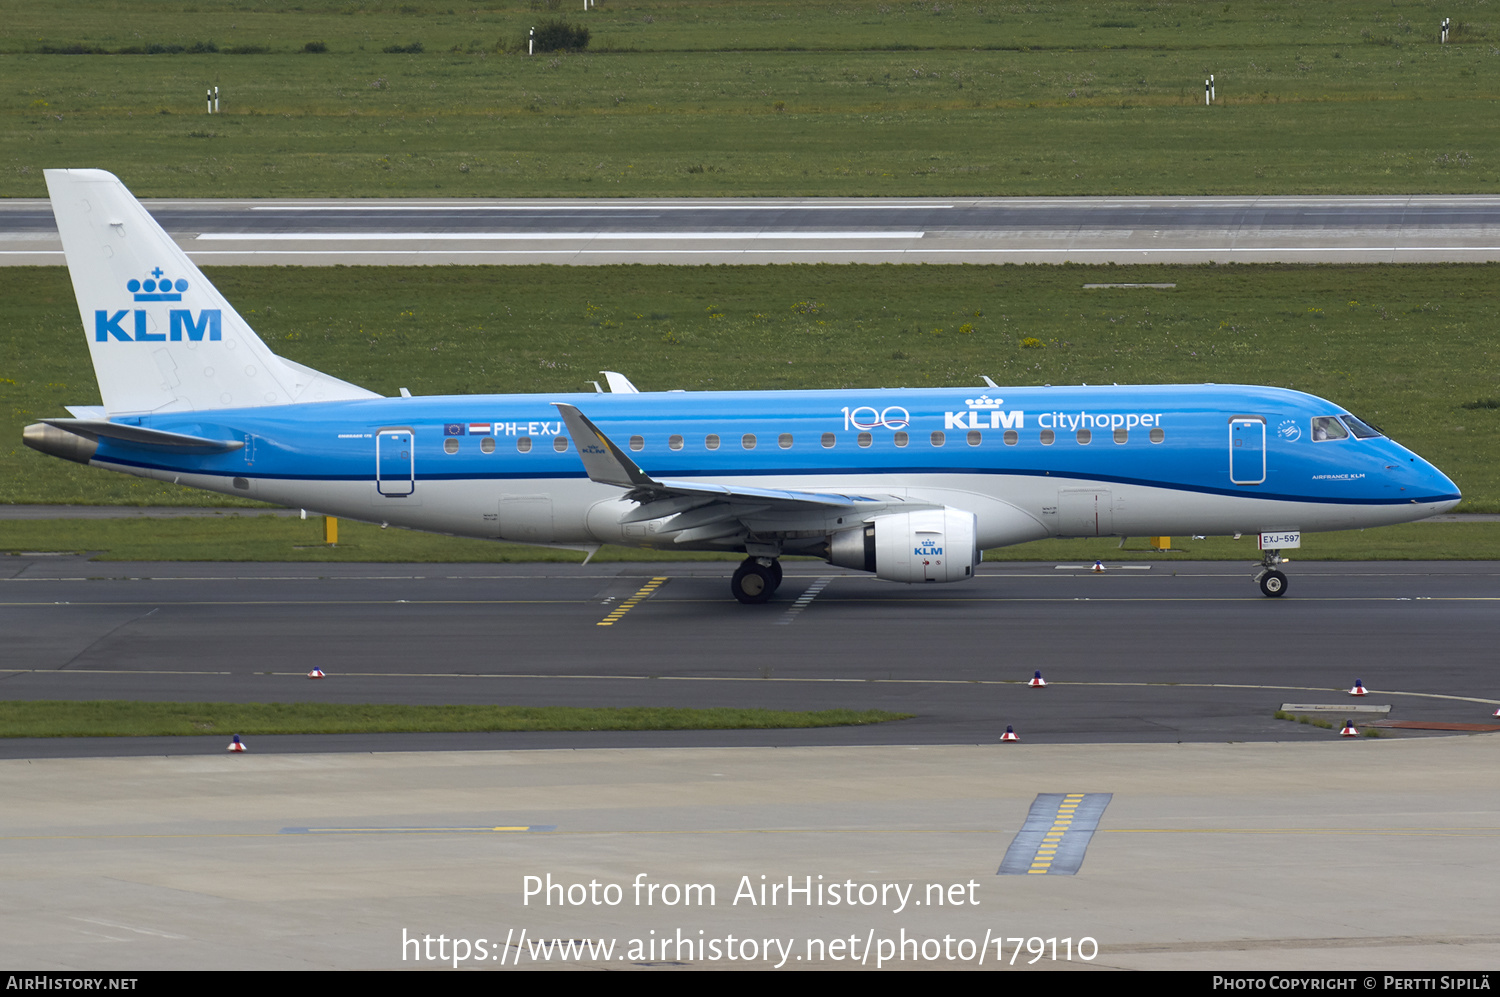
(1143, 652)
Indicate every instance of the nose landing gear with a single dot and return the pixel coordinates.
(1272, 582)
(756, 580)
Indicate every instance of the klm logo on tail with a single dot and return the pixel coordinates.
(180, 321)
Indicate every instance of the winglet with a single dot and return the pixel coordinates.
(604, 462)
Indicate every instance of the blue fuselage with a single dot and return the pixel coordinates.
(1224, 440)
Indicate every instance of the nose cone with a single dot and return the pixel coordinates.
(1436, 490)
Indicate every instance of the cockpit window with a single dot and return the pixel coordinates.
(1326, 427)
(1360, 430)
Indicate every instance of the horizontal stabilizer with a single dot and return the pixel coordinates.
(619, 384)
(139, 436)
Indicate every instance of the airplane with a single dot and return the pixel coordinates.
(908, 484)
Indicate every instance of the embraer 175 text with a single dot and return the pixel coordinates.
(908, 484)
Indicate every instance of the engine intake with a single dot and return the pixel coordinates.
(933, 545)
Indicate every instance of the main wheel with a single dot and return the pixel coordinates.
(753, 583)
(775, 575)
(1273, 583)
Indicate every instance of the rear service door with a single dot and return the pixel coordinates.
(395, 463)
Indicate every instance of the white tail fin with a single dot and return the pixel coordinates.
(163, 339)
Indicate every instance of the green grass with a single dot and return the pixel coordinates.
(118, 718)
(1409, 348)
(1324, 724)
(696, 97)
(266, 538)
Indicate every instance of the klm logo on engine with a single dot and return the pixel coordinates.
(134, 325)
(929, 548)
(984, 413)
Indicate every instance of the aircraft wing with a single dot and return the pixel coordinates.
(704, 511)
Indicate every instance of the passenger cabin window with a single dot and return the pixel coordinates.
(559, 443)
(902, 439)
(487, 444)
(974, 437)
(1326, 427)
(1122, 435)
(1012, 437)
(1084, 436)
(711, 441)
(637, 442)
(828, 441)
(1158, 434)
(674, 443)
(748, 441)
(784, 441)
(451, 444)
(937, 437)
(1047, 437)
(523, 444)
(865, 439)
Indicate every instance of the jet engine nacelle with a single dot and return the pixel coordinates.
(933, 545)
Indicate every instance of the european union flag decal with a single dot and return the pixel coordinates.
(453, 429)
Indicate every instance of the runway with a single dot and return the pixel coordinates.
(1144, 653)
(1404, 229)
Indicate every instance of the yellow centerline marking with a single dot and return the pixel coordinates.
(1047, 849)
(645, 593)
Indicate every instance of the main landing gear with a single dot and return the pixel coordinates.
(1272, 582)
(756, 580)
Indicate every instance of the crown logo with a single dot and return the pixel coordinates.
(156, 287)
(984, 402)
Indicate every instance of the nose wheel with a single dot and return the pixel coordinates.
(756, 580)
(1272, 582)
